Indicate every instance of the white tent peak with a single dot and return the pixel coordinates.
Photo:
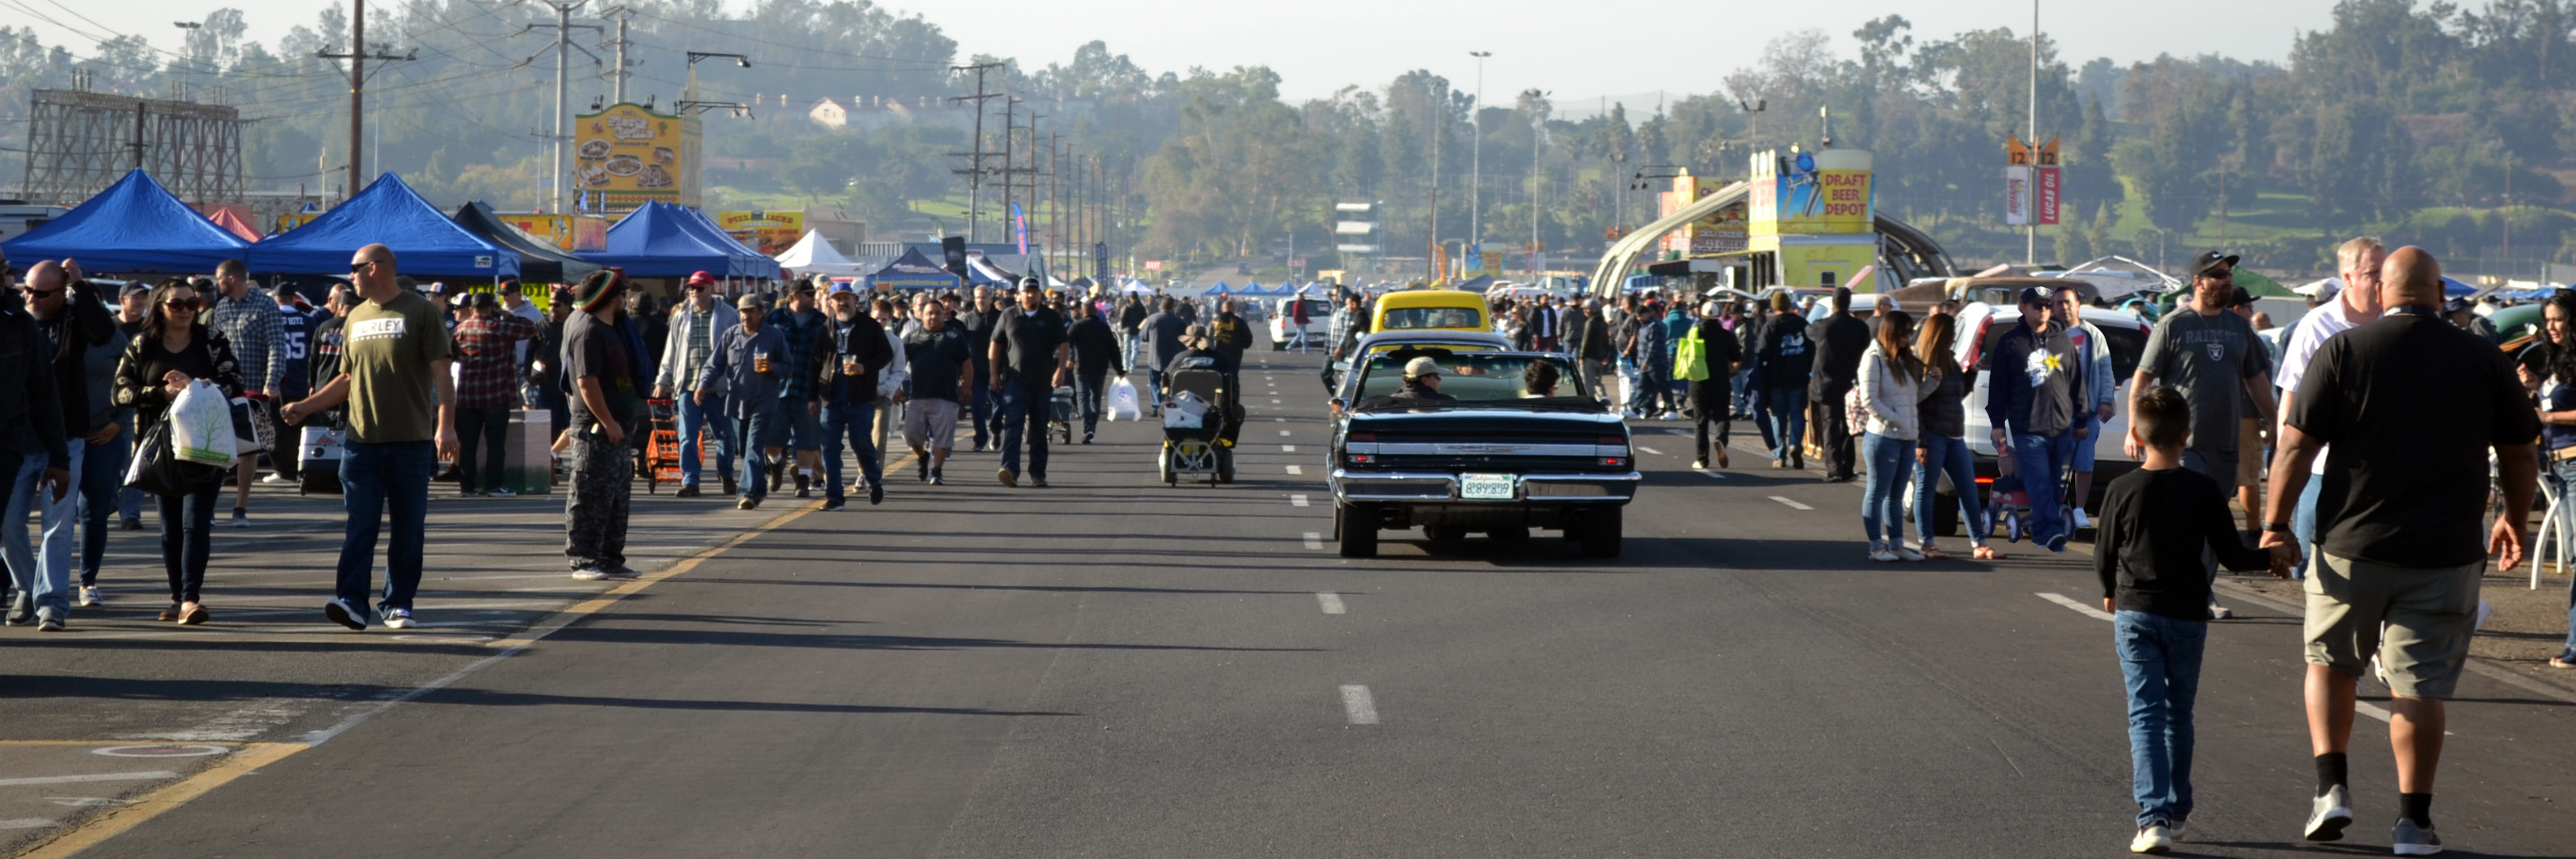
(812, 254)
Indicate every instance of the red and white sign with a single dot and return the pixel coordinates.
(2047, 208)
(1153, 265)
(2017, 195)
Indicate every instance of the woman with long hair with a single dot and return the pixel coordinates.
(1942, 448)
(2557, 372)
(172, 351)
(1891, 382)
(1516, 327)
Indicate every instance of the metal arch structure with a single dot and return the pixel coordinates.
(78, 143)
(1910, 251)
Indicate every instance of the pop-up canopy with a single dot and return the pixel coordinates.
(424, 241)
(133, 227)
(911, 271)
(814, 255)
(661, 240)
(539, 262)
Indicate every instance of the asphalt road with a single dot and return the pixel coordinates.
(1113, 668)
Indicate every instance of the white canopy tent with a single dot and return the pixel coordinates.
(814, 255)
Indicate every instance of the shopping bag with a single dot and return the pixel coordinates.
(1855, 412)
(1122, 401)
(1185, 411)
(1690, 358)
(201, 425)
(157, 469)
(252, 434)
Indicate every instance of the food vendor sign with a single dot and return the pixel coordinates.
(626, 154)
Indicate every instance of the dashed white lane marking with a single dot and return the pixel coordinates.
(1793, 505)
(1274, 401)
(1314, 540)
(1713, 475)
(1296, 469)
(2374, 711)
(27, 823)
(2079, 608)
(1332, 602)
(1281, 420)
(1296, 501)
(1287, 448)
(1357, 705)
(1283, 432)
(71, 779)
(1650, 450)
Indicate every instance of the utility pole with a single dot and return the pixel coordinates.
(623, 15)
(2030, 231)
(563, 48)
(358, 57)
(1010, 147)
(974, 171)
(1476, 168)
(1054, 242)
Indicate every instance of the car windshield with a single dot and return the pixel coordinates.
(1433, 317)
(1473, 377)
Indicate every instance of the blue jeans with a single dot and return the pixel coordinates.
(1947, 455)
(2041, 460)
(1089, 390)
(2561, 475)
(1882, 503)
(102, 474)
(1788, 421)
(759, 434)
(856, 422)
(1023, 411)
(985, 408)
(2160, 662)
(28, 498)
(2303, 524)
(379, 477)
(1152, 395)
(695, 422)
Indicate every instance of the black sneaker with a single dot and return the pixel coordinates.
(729, 488)
(876, 494)
(344, 614)
(689, 491)
(1086, 437)
(936, 479)
(130, 525)
(1038, 482)
(829, 506)
(921, 466)
(241, 518)
(22, 609)
(804, 492)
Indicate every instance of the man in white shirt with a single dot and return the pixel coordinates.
(2355, 300)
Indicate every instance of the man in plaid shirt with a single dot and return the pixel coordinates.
(250, 322)
(487, 390)
(804, 327)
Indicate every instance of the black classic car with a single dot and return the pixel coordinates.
(1508, 442)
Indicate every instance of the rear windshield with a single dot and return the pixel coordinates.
(1399, 318)
(1472, 377)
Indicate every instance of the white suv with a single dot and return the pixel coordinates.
(1319, 323)
(1982, 325)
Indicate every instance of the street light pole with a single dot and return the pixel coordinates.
(1476, 162)
(2030, 231)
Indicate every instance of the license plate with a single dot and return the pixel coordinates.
(1485, 486)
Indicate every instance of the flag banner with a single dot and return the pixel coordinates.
(2017, 195)
(2046, 211)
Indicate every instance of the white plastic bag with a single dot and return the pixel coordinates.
(201, 425)
(1185, 411)
(1122, 401)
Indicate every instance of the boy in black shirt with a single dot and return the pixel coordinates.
(2158, 523)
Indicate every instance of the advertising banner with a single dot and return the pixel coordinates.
(2045, 212)
(770, 233)
(1722, 232)
(576, 233)
(1100, 262)
(626, 155)
(1812, 193)
(2017, 195)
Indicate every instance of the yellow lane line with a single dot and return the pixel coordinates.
(115, 821)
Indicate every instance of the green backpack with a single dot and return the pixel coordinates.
(1690, 357)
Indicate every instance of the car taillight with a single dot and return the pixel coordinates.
(1612, 440)
(1985, 480)
(1614, 460)
(1977, 344)
(1362, 437)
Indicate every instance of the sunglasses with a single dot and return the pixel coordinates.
(356, 266)
(184, 303)
(32, 292)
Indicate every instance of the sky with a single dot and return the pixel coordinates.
(1637, 47)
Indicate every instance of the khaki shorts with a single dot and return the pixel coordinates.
(930, 424)
(2249, 452)
(2418, 619)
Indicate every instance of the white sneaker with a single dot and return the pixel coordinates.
(503, 493)
(273, 478)
(2328, 816)
(398, 618)
(2152, 838)
(2219, 612)
(1908, 553)
(1882, 556)
(89, 596)
(2081, 520)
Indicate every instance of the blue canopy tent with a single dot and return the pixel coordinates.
(135, 226)
(747, 262)
(912, 271)
(425, 242)
(657, 240)
(1219, 289)
(1253, 288)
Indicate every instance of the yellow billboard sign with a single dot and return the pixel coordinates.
(1721, 232)
(770, 233)
(578, 233)
(625, 155)
(1811, 193)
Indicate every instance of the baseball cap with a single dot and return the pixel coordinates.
(2242, 298)
(482, 301)
(1031, 284)
(2455, 305)
(843, 289)
(133, 287)
(698, 279)
(1421, 366)
(749, 301)
(2037, 294)
(2207, 260)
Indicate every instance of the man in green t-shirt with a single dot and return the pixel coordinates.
(394, 359)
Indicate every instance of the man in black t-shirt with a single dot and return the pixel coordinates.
(599, 363)
(2411, 406)
(1030, 359)
(977, 324)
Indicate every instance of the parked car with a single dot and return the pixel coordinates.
(1319, 322)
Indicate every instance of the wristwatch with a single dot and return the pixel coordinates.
(2276, 528)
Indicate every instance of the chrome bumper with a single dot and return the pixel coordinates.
(1435, 486)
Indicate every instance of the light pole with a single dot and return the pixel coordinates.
(1476, 162)
(191, 28)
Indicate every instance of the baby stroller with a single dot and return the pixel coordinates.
(1200, 419)
(1060, 414)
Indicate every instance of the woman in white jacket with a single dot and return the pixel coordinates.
(1891, 384)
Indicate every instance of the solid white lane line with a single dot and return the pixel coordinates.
(1296, 469)
(1357, 705)
(2080, 608)
(1793, 505)
(1287, 448)
(71, 779)
(1332, 602)
(1283, 432)
(1650, 450)
(1296, 501)
(1314, 540)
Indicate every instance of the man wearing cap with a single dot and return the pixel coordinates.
(853, 350)
(695, 325)
(2213, 357)
(2347, 302)
(487, 391)
(1030, 358)
(2032, 399)
(803, 326)
(743, 375)
(1162, 333)
(601, 366)
(1421, 381)
(2463, 314)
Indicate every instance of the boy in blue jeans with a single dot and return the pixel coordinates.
(2158, 525)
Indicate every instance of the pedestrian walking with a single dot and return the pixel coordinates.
(1707, 359)
(1839, 339)
(1162, 335)
(2093, 359)
(2157, 524)
(745, 370)
(2032, 404)
(1299, 316)
(691, 343)
(67, 318)
(1095, 356)
(171, 351)
(1787, 370)
(1030, 358)
(2354, 303)
(1942, 447)
(893, 381)
(394, 362)
(2412, 406)
(295, 321)
(251, 323)
(105, 452)
(1230, 332)
(977, 324)
(487, 392)
(601, 365)
(942, 364)
(2213, 358)
(133, 305)
(855, 351)
(1890, 379)
(803, 326)
(2557, 410)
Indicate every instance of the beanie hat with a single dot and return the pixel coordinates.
(599, 288)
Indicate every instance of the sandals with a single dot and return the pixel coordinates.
(1988, 553)
(2562, 662)
(1932, 554)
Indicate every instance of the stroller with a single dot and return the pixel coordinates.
(1200, 421)
(1060, 414)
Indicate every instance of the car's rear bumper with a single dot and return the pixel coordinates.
(1441, 488)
